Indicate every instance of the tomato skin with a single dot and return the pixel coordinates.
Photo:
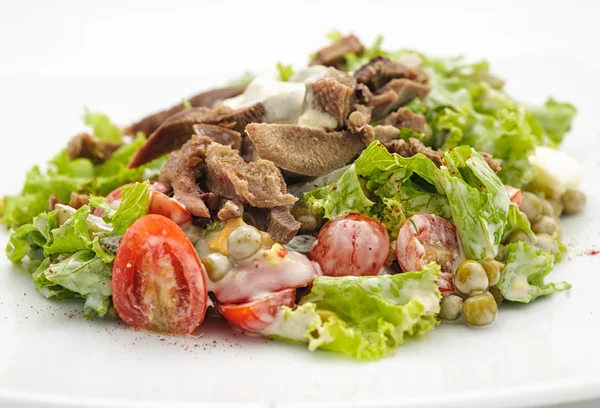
(160, 204)
(355, 245)
(167, 207)
(428, 238)
(515, 194)
(259, 314)
(158, 280)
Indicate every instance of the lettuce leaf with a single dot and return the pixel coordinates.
(366, 317)
(465, 191)
(64, 177)
(80, 276)
(522, 279)
(555, 118)
(103, 128)
(70, 261)
(134, 205)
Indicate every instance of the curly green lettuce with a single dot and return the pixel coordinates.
(391, 188)
(64, 251)
(526, 268)
(64, 176)
(363, 317)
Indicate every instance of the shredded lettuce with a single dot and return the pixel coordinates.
(391, 188)
(103, 128)
(285, 71)
(522, 279)
(80, 276)
(63, 177)
(366, 317)
(70, 261)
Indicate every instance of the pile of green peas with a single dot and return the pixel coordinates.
(477, 299)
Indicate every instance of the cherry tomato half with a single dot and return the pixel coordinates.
(158, 280)
(355, 245)
(259, 314)
(159, 204)
(426, 238)
(514, 194)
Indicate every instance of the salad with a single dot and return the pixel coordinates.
(349, 205)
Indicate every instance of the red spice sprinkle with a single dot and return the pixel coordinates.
(592, 252)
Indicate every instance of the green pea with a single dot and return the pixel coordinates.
(495, 292)
(492, 268)
(545, 225)
(531, 206)
(470, 277)
(451, 307)
(517, 236)
(546, 243)
(480, 310)
(574, 201)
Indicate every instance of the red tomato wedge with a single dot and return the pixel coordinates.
(259, 314)
(355, 245)
(158, 280)
(426, 238)
(514, 194)
(167, 207)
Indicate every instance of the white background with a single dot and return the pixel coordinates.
(129, 58)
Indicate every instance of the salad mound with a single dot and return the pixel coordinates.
(349, 205)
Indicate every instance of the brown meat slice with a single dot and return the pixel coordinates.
(412, 147)
(258, 183)
(220, 134)
(380, 70)
(405, 118)
(86, 146)
(395, 93)
(304, 151)
(333, 55)
(385, 133)
(333, 94)
(78, 200)
(230, 210)
(178, 129)
(281, 224)
(182, 171)
(495, 164)
(205, 99)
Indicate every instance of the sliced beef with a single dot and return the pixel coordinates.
(333, 55)
(405, 118)
(304, 151)
(178, 129)
(230, 210)
(380, 70)
(412, 147)
(281, 225)
(395, 93)
(86, 146)
(53, 200)
(258, 183)
(182, 171)
(385, 133)
(78, 200)
(205, 99)
(333, 94)
(220, 134)
(495, 164)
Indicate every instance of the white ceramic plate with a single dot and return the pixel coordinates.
(536, 354)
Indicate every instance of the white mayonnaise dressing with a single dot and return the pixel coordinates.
(269, 270)
(286, 102)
